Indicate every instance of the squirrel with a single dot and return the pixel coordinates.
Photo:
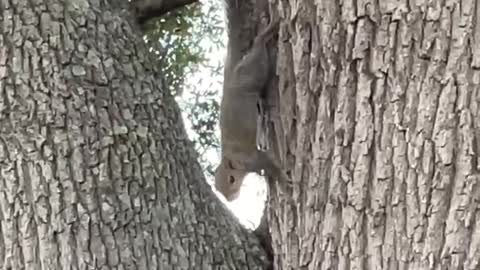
(243, 84)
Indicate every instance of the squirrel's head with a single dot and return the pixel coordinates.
(228, 180)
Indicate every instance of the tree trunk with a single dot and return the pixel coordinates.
(96, 171)
(380, 106)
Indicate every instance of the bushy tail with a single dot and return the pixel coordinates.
(234, 31)
(240, 28)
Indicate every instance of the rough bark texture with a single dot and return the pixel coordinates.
(380, 105)
(96, 171)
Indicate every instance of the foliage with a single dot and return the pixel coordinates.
(186, 42)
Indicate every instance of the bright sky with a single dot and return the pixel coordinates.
(249, 206)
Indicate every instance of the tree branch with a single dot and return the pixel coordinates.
(147, 9)
(263, 234)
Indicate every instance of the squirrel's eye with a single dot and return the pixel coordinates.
(232, 179)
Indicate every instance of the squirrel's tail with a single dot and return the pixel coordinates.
(241, 25)
(237, 29)
(233, 10)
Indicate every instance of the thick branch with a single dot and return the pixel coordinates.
(147, 9)
(263, 234)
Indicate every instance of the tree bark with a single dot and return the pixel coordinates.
(147, 9)
(96, 171)
(380, 106)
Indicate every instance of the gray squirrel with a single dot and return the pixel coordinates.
(243, 84)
